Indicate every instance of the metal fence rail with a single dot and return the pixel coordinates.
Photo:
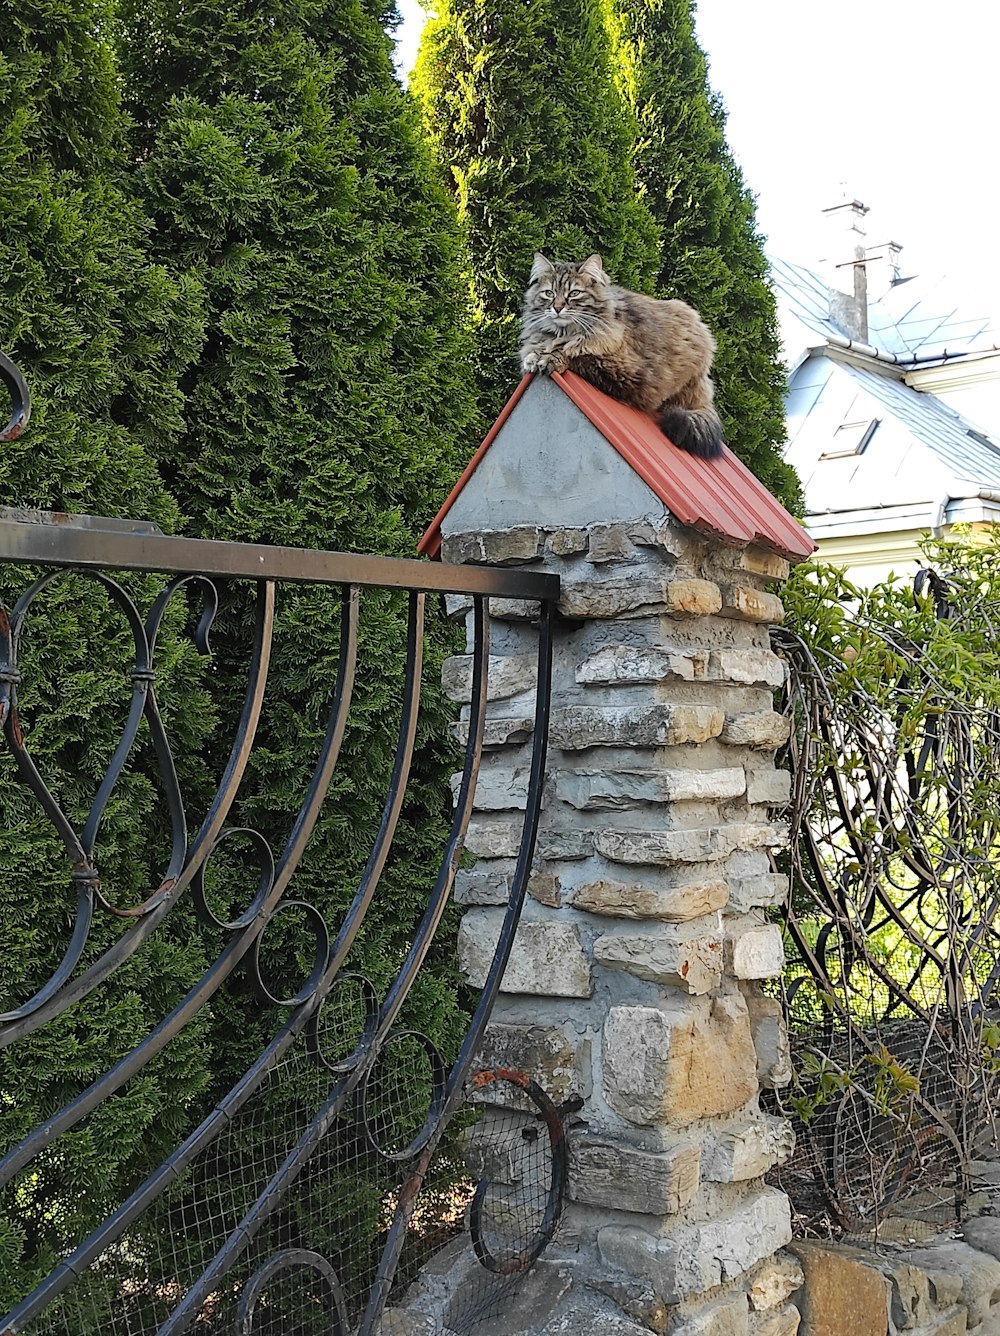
(96, 550)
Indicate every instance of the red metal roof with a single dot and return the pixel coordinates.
(716, 496)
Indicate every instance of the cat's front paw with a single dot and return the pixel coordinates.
(550, 363)
(529, 364)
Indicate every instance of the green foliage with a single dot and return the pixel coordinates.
(521, 107)
(710, 251)
(102, 335)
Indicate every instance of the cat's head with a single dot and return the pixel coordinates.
(564, 295)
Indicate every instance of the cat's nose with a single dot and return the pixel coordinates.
(558, 306)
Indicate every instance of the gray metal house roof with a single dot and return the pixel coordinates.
(955, 442)
(864, 440)
(914, 321)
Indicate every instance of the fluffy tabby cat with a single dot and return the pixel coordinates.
(655, 355)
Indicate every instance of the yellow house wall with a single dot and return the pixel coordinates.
(869, 559)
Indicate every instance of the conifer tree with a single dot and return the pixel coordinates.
(101, 335)
(521, 107)
(711, 252)
(284, 169)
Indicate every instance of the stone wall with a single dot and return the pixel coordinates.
(635, 979)
(944, 1286)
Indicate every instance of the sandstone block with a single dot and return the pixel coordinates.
(608, 542)
(515, 609)
(693, 1259)
(547, 959)
(747, 863)
(681, 1064)
(631, 900)
(840, 1293)
(762, 729)
(749, 667)
(568, 844)
(770, 1040)
(497, 731)
(671, 539)
(769, 786)
(785, 1323)
(494, 838)
(632, 595)
(636, 1298)
(494, 547)
(775, 1282)
(545, 1052)
(698, 845)
(692, 598)
(751, 605)
(979, 1272)
(756, 952)
(567, 542)
(748, 1151)
(474, 886)
(918, 1297)
(759, 561)
(546, 888)
(609, 1173)
(726, 1317)
(499, 788)
(403, 1322)
(582, 726)
(641, 663)
(687, 958)
(757, 892)
(953, 1323)
(589, 790)
(507, 675)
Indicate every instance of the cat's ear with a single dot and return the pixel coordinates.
(593, 268)
(541, 267)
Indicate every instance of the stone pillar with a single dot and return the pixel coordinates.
(635, 975)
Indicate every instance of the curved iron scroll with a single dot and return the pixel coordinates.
(20, 400)
(302, 1008)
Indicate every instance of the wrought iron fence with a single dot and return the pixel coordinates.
(229, 1234)
(891, 928)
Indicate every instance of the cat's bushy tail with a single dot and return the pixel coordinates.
(696, 430)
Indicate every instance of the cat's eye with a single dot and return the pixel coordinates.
(576, 292)
(546, 293)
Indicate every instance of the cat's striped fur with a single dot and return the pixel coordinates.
(655, 355)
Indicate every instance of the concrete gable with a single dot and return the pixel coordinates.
(550, 466)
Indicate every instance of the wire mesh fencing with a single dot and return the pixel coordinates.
(891, 924)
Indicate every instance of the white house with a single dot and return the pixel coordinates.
(893, 405)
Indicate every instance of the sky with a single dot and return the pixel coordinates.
(889, 102)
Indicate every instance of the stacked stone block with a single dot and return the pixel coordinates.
(635, 979)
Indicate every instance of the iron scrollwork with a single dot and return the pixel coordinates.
(890, 926)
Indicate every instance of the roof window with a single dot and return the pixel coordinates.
(851, 438)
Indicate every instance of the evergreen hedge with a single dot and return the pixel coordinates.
(102, 336)
(711, 253)
(521, 108)
(285, 172)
